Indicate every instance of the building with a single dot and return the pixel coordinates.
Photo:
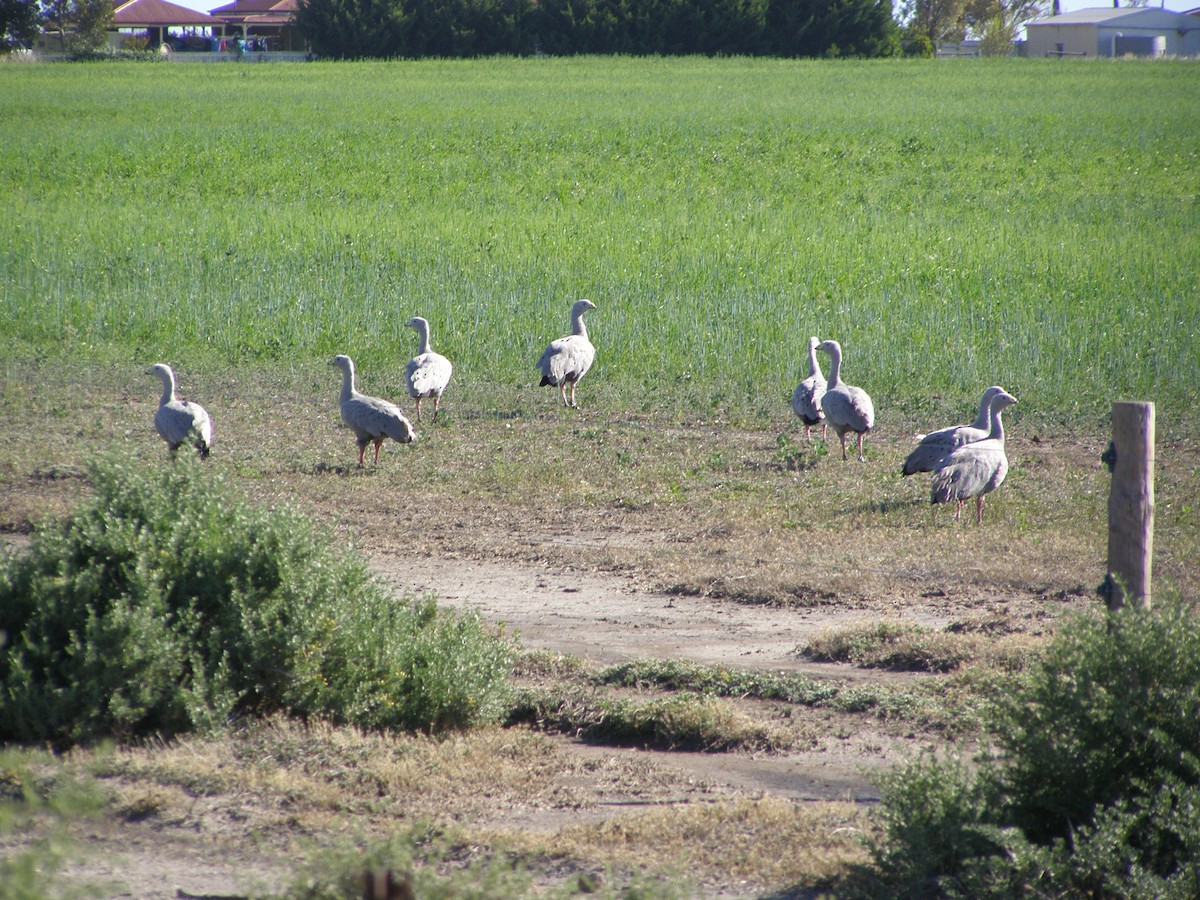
(1112, 32)
(268, 21)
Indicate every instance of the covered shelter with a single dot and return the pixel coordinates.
(269, 21)
(1114, 32)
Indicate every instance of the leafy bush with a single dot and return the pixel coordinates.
(168, 603)
(1095, 790)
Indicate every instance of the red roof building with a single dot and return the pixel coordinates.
(270, 19)
(160, 14)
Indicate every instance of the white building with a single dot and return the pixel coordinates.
(1105, 31)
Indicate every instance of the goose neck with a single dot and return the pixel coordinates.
(983, 418)
(168, 391)
(577, 326)
(814, 365)
(347, 382)
(996, 430)
(422, 329)
(835, 369)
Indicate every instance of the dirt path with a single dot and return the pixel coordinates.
(607, 619)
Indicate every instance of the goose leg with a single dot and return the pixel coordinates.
(843, 437)
(958, 511)
(979, 510)
(574, 405)
(378, 442)
(419, 410)
(562, 391)
(861, 458)
(437, 405)
(362, 447)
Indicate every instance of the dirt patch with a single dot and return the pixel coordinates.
(612, 539)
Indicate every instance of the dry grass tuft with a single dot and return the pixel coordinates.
(765, 841)
(911, 647)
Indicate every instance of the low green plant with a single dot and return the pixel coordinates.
(684, 721)
(38, 801)
(168, 603)
(1094, 789)
(722, 681)
(908, 647)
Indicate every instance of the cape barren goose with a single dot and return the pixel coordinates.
(806, 399)
(427, 373)
(179, 421)
(847, 408)
(937, 445)
(567, 359)
(975, 469)
(370, 418)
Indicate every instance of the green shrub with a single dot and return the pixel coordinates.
(168, 603)
(1095, 791)
(1115, 701)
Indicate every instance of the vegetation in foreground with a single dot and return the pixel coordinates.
(168, 603)
(1094, 790)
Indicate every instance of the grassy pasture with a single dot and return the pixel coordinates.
(1033, 223)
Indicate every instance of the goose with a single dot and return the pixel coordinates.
(846, 408)
(806, 399)
(179, 421)
(975, 469)
(370, 418)
(567, 359)
(937, 445)
(427, 373)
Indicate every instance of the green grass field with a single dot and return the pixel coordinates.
(954, 224)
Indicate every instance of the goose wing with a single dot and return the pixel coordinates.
(428, 375)
(848, 407)
(181, 421)
(566, 359)
(371, 417)
(970, 471)
(806, 399)
(937, 445)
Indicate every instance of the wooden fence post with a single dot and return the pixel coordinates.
(1130, 504)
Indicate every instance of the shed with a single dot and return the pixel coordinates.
(1106, 31)
(273, 20)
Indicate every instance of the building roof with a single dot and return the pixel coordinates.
(158, 13)
(254, 7)
(1105, 16)
(257, 12)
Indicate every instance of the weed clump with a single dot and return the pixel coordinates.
(168, 603)
(1094, 790)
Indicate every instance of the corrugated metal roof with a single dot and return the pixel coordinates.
(1107, 15)
(156, 13)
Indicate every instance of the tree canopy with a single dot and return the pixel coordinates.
(349, 29)
(18, 23)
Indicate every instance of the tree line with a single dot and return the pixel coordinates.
(349, 29)
(353, 29)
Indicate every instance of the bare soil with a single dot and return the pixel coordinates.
(694, 542)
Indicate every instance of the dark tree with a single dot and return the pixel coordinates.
(815, 28)
(353, 29)
(18, 23)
